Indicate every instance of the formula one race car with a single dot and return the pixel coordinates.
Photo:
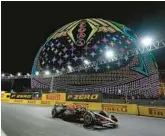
(89, 118)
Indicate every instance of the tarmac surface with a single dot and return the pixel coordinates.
(32, 120)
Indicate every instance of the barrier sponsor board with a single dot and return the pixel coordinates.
(31, 102)
(18, 100)
(84, 97)
(5, 100)
(20, 96)
(156, 111)
(120, 108)
(54, 96)
(85, 105)
(60, 102)
(152, 111)
(5, 96)
(44, 102)
(114, 108)
(2, 96)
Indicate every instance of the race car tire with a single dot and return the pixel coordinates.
(89, 118)
(54, 113)
(114, 126)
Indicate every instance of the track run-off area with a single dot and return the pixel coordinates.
(32, 120)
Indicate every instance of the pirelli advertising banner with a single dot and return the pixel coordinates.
(152, 111)
(120, 108)
(83, 97)
(21, 96)
(54, 96)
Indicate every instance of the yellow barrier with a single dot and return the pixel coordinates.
(152, 111)
(54, 96)
(120, 108)
(89, 105)
(5, 100)
(5, 96)
(59, 98)
(19, 101)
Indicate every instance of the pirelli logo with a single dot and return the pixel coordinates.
(156, 112)
(85, 105)
(93, 97)
(19, 101)
(31, 102)
(45, 102)
(52, 96)
(114, 108)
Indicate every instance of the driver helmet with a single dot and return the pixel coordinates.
(72, 106)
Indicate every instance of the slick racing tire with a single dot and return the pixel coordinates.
(89, 118)
(54, 113)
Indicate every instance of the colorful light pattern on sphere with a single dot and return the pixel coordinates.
(89, 39)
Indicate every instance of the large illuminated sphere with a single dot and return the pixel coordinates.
(89, 40)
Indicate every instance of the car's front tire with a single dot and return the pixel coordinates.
(54, 113)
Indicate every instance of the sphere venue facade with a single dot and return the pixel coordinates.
(89, 40)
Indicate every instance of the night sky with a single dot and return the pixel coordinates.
(26, 25)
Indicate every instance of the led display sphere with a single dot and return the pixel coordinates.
(89, 40)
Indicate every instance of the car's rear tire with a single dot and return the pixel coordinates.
(88, 118)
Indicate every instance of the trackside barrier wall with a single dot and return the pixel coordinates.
(152, 111)
(55, 98)
(87, 105)
(118, 108)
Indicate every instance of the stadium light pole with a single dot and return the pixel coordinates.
(47, 73)
(52, 83)
(126, 94)
(12, 83)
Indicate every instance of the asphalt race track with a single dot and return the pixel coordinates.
(31, 120)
